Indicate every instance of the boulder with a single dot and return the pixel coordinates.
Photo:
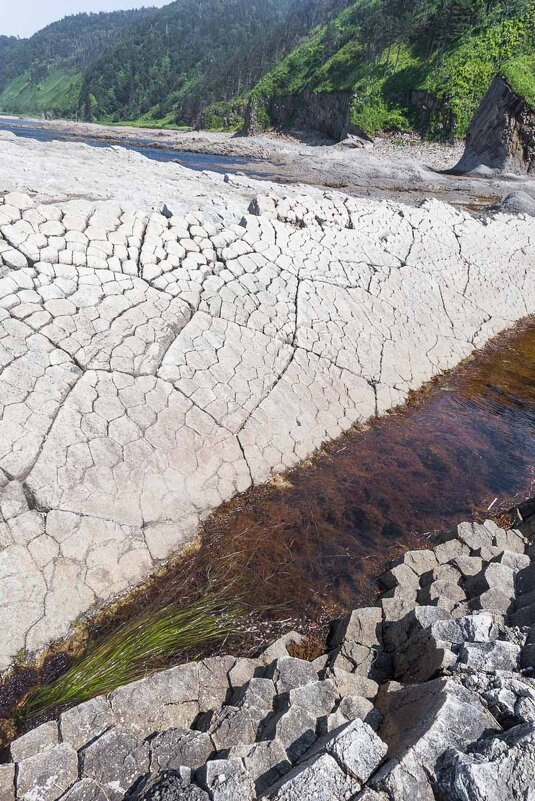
(226, 780)
(319, 779)
(47, 775)
(168, 786)
(7, 782)
(89, 790)
(35, 741)
(419, 723)
(178, 748)
(501, 768)
(116, 760)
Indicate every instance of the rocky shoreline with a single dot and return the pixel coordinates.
(428, 694)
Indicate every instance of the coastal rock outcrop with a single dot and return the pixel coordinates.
(501, 136)
(153, 366)
(445, 706)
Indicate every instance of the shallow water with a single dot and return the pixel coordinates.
(147, 147)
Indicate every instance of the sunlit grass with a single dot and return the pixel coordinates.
(136, 649)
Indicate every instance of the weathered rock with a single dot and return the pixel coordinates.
(496, 769)
(7, 782)
(46, 776)
(86, 721)
(226, 780)
(289, 673)
(318, 698)
(86, 790)
(356, 748)
(352, 683)
(294, 728)
(502, 133)
(36, 741)
(490, 656)
(265, 762)
(168, 786)
(178, 748)
(320, 779)
(116, 760)
(420, 722)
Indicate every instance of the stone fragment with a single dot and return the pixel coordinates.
(47, 775)
(7, 782)
(35, 741)
(226, 780)
(319, 779)
(178, 748)
(116, 760)
(86, 721)
(295, 729)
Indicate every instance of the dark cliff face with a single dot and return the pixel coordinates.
(501, 136)
(328, 113)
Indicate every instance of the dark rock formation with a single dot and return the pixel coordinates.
(328, 113)
(516, 203)
(501, 136)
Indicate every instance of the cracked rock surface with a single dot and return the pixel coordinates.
(397, 710)
(152, 366)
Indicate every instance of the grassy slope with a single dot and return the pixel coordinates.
(520, 74)
(383, 88)
(56, 94)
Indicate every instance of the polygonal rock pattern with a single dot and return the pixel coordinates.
(153, 367)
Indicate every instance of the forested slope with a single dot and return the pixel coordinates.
(410, 63)
(44, 73)
(193, 53)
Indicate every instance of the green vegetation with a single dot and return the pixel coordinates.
(57, 94)
(44, 73)
(407, 64)
(136, 649)
(193, 54)
(424, 64)
(520, 74)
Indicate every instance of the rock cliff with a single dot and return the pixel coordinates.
(501, 136)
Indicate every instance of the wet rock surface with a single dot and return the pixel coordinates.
(460, 727)
(155, 366)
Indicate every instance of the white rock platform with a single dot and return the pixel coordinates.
(153, 367)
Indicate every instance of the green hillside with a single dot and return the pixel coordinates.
(424, 64)
(193, 53)
(44, 73)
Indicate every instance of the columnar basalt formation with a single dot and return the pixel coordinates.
(430, 694)
(152, 366)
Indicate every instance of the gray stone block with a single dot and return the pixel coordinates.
(352, 683)
(226, 780)
(7, 782)
(399, 576)
(356, 748)
(35, 741)
(318, 698)
(178, 748)
(320, 779)
(289, 673)
(47, 775)
(116, 760)
(494, 600)
(450, 549)
(86, 790)
(169, 786)
(243, 671)
(490, 656)
(477, 628)
(496, 769)
(419, 722)
(265, 762)
(524, 616)
(468, 565)
(86, 721)
(516, 561)
(294, 728)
